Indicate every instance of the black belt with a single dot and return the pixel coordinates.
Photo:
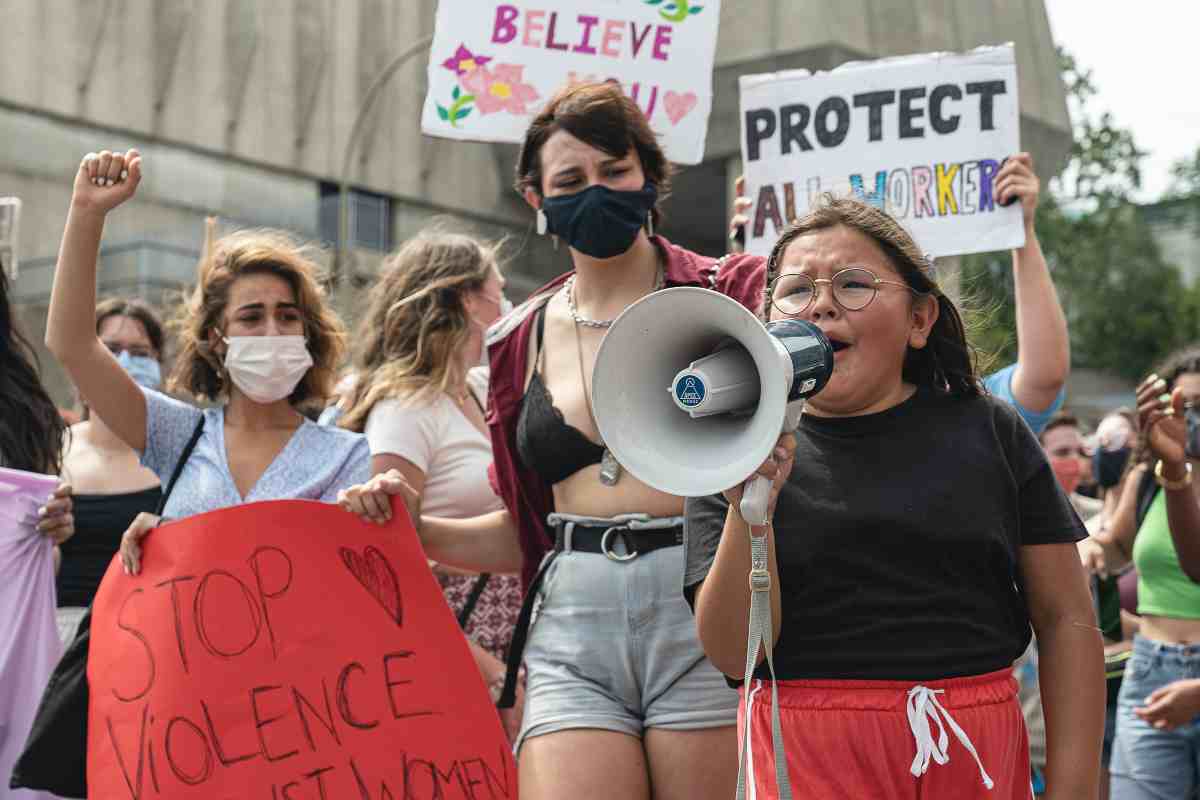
(582, 539)
(604, 539)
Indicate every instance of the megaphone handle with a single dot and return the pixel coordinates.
(757, 491)
(755, 497)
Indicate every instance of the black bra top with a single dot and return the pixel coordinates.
(545, 442)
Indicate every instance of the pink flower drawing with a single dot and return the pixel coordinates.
(499, 89)
(464, 61)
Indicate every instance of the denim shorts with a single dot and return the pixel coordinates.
(614, 646)
(1149, 764)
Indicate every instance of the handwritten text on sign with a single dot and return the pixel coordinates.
(288, 651)
(919, 136)
(493, 64)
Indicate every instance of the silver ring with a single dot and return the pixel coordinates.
(604, 541)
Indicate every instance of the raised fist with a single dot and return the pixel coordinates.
(105, 180)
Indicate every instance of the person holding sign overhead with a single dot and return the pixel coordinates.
(620, 700)
(256, 336)
(917, 531)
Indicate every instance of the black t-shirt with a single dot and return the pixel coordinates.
(897, 537)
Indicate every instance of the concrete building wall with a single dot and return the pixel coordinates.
(243, 109)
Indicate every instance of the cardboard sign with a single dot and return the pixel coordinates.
(493, 64)
(921, 137)
(285, 651)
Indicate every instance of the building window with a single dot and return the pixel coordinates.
(370, 218)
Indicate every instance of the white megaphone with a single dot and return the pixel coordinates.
(691, 391)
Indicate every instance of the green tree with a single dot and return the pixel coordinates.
(1185, 178)
(1126, 307)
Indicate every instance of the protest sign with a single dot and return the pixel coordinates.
(493, 65)
(286, 650)
(920, 136)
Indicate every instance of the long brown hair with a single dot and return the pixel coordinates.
(947, 363)
(416, 323)
(600, 115)
(198, 370)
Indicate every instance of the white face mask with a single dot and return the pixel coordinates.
(267, 368)
(505, 306)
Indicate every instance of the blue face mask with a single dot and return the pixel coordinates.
(598, 221)
(144, 370)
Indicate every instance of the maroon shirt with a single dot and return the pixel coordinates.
(528, 497)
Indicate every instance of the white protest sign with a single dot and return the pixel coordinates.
(920, 136)
(493, 65)
(10, 218)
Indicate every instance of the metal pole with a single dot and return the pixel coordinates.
(343, 255)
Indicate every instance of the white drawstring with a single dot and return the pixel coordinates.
(923, 705)
(751, 794)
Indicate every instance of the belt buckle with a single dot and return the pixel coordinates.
(606, 539)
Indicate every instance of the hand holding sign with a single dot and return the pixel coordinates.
(284, 650)
(1017, 180)
(56, 518)
(373, 500)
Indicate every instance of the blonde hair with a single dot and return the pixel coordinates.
(198, 370)
(416, 321)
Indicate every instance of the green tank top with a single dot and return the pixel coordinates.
(1163, 588)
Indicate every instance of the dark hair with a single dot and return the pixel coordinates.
(31, 429)
(1180, 362)
(947, 363)
(600, 115)
(136, 309)
(1060, 419)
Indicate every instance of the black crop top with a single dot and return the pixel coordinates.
(545, 442)
(100, 522)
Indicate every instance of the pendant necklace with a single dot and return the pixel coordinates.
(610, 468)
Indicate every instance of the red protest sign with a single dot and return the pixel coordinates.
(286, 651)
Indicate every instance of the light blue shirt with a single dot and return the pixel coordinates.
(999, 384)
(315, 464)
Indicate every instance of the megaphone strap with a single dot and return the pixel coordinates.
(761, 633)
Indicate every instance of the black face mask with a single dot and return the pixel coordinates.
(599, 221)
(1109, 465)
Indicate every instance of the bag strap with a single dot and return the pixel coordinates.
(1148, 489)
(183, 459)
(464, 616)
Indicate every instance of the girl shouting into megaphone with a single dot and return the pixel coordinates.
(918, 532)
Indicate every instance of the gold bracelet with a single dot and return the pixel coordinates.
(1173, 486)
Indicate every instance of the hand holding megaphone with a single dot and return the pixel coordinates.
(755, 497)
(737, 385)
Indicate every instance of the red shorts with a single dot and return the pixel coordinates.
(862, 740)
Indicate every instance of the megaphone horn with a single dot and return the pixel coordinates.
(691, 391)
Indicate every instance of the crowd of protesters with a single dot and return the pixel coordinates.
(950, 550)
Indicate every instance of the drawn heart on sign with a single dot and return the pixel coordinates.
(679, 105)
(376, 575)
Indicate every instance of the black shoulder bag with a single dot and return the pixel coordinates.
(55, 755)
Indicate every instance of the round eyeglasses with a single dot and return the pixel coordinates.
(853, 289)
